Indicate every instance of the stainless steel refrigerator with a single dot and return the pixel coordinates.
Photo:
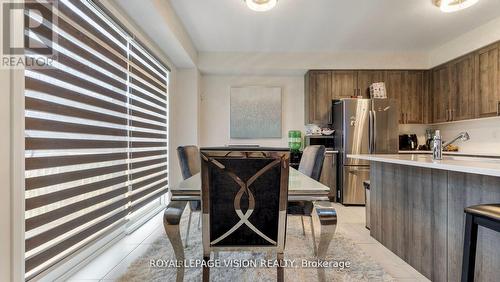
(362, 126)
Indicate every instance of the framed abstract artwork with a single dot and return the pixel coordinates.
(255, 112)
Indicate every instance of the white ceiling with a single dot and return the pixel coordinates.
(159, 22)
(327, 25)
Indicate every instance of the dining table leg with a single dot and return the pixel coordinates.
(328, 219)
(171, 220)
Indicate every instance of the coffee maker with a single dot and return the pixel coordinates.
(408, 142)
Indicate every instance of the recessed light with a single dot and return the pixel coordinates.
(450, 6)
(261, 5)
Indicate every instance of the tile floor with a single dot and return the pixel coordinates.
(112, 263)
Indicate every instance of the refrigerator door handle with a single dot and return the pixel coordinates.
(374, 134)
(370, 133)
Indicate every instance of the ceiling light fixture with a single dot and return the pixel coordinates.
(261, 5)
(450, 6)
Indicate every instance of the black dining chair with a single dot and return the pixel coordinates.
(486, 215)
(244, 198)
(311, 164)
(189, 161)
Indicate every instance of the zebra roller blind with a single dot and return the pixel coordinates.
(96, 123)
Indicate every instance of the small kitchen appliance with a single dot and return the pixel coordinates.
(325, 140)
(408, 142)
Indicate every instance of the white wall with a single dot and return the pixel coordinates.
(183, 115)
(298, 63)
(214, 116)
(5, 172)
(214, 107)
(468, 42)
(484, 134)
(12, 163)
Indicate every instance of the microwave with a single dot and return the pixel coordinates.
(326, 141)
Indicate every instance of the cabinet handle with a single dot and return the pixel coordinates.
(406, 118)
(447, 114)
(498, 108)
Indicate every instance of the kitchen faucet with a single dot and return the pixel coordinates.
(437, 151)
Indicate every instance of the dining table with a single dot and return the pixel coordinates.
(300, 188)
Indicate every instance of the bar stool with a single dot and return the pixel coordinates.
(488, 216)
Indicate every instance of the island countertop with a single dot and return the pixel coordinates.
(475, 165)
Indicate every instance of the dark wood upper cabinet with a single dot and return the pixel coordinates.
(440, 95)
(344, 84)
(318, 97)
(453, 90)
(462, 89)
(395, 88)
(322, 86)
(367, 78)
(488, 81)
(465, 88)
(415, 98)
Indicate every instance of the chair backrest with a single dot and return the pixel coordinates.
(189, 160)
(244, 197)
(311, 162)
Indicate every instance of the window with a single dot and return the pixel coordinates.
(96, 124)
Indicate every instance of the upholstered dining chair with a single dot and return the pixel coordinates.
(311, 165)
(244, 198)
(189, 161)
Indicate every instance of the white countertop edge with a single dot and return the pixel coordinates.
(443, 164)
(486, 155)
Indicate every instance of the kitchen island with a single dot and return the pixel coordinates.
(417, 211)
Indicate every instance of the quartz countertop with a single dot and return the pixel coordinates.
(475, 165)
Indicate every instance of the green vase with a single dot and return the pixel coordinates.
(294, 140)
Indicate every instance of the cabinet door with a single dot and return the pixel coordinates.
(366, 78)
(462, 94)
(441, 88)
(318, 97)
(395, 87)
(413, 98)
(329, 174)
(488, 90)
(344, 84)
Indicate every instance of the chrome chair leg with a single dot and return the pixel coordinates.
(303, 228)
(313, 236)
(174, 236)
(328, 219)
(206, 269)
(327, 232)
(188, 226)
(281, 269)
